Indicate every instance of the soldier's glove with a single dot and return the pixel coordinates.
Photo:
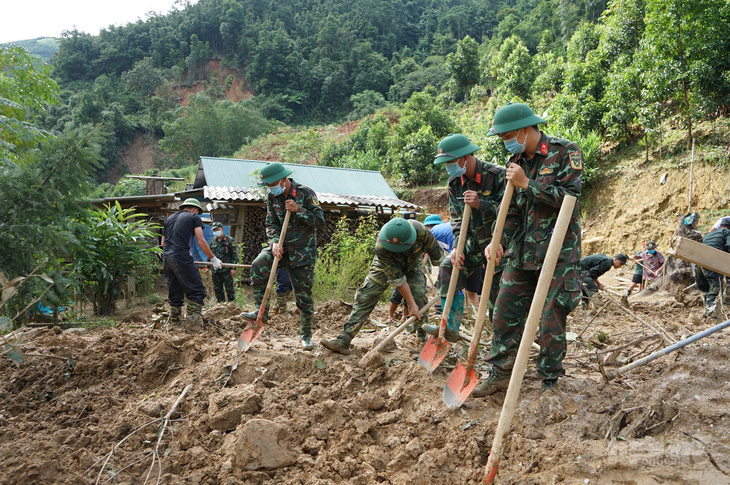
(216, 263)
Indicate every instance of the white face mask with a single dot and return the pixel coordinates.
(218, 233)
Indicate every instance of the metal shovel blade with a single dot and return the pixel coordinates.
(459, 385)
(433, 352)
(248, 335)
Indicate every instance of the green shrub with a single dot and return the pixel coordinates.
(345, 261)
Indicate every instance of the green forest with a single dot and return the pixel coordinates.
(408, 71)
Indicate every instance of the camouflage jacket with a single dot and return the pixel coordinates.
(391, 268)
(225, 250)
(555, 170)
(301, 235)
(489, 183)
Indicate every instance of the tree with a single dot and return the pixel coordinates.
(144, 79)
(464, 64)
(684, 44)
(212, 128)
(113, 244)
(25, 85)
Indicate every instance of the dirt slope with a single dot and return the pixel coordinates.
(336, 422)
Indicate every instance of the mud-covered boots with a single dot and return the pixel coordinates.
(175, 315)
(341, 344)
(194, 317)
(495, 381)
(254, 315)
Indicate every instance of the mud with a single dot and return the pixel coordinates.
(285, 416)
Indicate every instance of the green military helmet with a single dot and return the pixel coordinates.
(397, 235)
(513, 116)
(191, 202)
(217, 224)
(273, 172)
(453, 147)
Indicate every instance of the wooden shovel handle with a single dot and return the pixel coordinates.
(454, 272)
(533, 319)
(489, 276)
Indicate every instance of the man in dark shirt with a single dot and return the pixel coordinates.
(708, 281)
(183, 278)
(593, 267)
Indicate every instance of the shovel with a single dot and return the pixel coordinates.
(422, 311)
(463, 378)
(528, 335)
(254, 329)
(436, 348)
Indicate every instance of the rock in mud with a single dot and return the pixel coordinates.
(225, 408)
(262, 446)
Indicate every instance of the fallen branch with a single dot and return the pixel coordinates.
(615, 349)
(668, 338)
(155, 454)
(594, 317)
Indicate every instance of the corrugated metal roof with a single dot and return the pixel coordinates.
(231, 172)
(232, 194)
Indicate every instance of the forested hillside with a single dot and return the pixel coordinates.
(598, 70)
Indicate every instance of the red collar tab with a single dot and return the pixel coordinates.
(462, 180)
(478, 178)
(544, 148)
(293, 192)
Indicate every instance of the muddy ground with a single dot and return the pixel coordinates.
(285, 416)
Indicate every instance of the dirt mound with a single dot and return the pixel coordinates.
(285, 416)
(436, 201)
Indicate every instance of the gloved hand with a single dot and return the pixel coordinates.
(216, 263)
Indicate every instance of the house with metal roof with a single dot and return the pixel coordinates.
(229, 191)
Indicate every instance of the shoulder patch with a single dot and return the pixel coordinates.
(576, 161)
(496, 170)
(315, 200)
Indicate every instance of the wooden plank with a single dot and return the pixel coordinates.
(700, 254)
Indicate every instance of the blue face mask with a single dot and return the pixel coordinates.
(276, 190)
(514, 146)
(651, 251)
(455, 170)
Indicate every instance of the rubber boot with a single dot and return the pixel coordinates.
(454, 321)
(194, 313)
(175, 315)
(253, 316)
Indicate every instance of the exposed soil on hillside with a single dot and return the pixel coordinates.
(286, 416)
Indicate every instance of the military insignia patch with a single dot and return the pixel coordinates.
(543, 148)
(486, 192)
(576, 162)
(293, 192)
(261, 176)
(315, 201)
(545, 171)
(478, 178)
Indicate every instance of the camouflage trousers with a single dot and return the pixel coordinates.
(302, 279)
(512, 307)
(368, 295)
(472, 263)
(223, 286)
(710, 284)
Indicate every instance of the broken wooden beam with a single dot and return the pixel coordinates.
(700, 254)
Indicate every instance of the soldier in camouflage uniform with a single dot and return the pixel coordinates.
(543, 170)
(398, 262)
(298, 252)
(224, 249)
(481, 185)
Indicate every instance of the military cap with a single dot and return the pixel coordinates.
(273, 172)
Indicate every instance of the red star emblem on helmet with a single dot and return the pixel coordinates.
(395, 239)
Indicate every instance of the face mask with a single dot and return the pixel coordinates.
(276, 190)
(651, 251)
(455, 170)
(217, 233)
(514, 146)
